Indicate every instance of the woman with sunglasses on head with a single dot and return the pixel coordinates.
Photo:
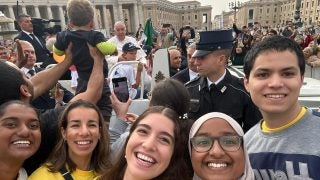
(216, 149)
(153, 149)
(82, 149)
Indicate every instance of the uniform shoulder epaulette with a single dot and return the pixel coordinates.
(193, 81)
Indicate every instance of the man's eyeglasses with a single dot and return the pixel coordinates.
(227, 143)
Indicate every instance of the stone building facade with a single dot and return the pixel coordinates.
(132, 12)
(275, 13)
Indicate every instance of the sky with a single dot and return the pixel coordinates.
(217, 5)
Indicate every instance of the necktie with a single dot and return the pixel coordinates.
(212, 88)
(35, 39)
(31, 72)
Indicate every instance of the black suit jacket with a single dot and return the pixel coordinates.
(182, 76)
(44, 101)
(41, 51)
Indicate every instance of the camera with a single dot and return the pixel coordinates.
(40, 26)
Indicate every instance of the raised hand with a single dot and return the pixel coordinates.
(22, 58)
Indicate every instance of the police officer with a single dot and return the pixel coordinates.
(216, 90)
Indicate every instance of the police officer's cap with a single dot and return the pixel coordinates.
(213, 40)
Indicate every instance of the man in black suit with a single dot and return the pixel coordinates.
(191, 72)
(45, 101)
(26, 33)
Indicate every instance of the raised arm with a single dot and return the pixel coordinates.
(96, 80)
(46, 79)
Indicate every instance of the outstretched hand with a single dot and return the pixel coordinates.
(22, 58)
(94, 52)
(68, 52)
(120, 108)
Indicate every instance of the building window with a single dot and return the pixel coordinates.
(307, 4)
(318, 2)
(267, 10)
(204, 18)
(189, 18)
(182, 18)
(250, 13)
(260, 11)
(275, 9)
(312, 3)
(195, 17)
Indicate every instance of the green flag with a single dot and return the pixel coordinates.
(147, 33)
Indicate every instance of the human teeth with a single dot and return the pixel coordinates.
(145, 158)
(275, 96)
(22, 142)
(217, 165)
(83, 142)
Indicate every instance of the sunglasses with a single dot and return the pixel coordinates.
(227, 143)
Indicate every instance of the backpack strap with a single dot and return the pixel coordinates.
(65, 173)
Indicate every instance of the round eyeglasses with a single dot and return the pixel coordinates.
(227, 143)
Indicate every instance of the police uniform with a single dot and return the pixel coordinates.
(227, 96)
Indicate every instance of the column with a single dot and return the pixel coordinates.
(24, 10)
(95, 18)
(106, 20)
(115, 12)
(36, 11)
(136, 17)
(120, 12)
(142, 20)
(11, 15)
(49, 12)
(61, 16)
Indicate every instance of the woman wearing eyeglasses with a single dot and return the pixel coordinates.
(216, 149)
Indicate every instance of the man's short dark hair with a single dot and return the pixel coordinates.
(273, 43)
(10, 81)
(22, 16)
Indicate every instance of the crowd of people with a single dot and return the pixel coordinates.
(308, 38)
(202, 122)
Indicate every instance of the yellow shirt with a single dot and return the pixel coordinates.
(42, 173)
(266, 129)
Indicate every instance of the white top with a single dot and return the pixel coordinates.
(22, 174)
(127, 39)
(127, 70)
(192, 74)
(26, 71)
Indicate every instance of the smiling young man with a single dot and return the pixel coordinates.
(286, 142)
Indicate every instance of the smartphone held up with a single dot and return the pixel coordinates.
(120, 88)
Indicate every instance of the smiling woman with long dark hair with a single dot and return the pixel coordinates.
(153, 149)
(82, 150)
